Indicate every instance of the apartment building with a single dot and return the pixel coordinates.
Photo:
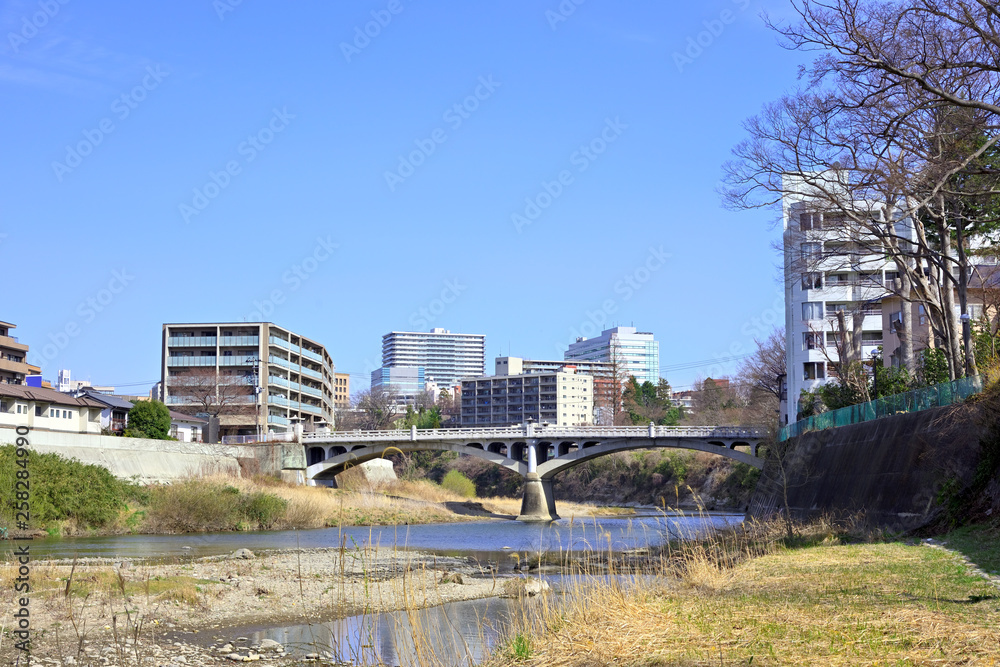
(638, 352)
(341, 390)
(601, 371)
(834, 282)
(38, 408)
(446, 357)
(14, 367)
(268, 378)
(560, 398)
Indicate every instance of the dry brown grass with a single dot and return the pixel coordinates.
(826, 603)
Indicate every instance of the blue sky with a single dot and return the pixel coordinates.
(517, 170)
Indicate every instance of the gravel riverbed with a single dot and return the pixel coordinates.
(126, 613)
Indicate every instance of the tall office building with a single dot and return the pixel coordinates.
(293, 377)
(406, 382)
(637, 351)
(446, 357)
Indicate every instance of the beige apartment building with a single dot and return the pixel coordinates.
(14, 367)
(560, 398)
(341, 390)
(263, 378)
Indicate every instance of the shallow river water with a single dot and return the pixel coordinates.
(458, 633)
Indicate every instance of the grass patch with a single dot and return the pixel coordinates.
(829, 603)
(980, 543)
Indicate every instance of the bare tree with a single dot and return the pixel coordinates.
(875, 140)
(378, 408)
(203, 390)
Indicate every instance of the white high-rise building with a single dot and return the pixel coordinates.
(834, 282)
(446, 357)
(637, 351)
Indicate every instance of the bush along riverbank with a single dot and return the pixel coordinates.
(71, 498)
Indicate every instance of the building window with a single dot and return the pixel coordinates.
(809, 221)
(975, 311)
(812, 310)
(813, 370)
(812, 340)
(811, 251)
(812, 280)
(38, 411)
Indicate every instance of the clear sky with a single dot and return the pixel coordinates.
(522, 170)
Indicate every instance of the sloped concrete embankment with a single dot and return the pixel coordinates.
(148, 461)
(903, 472)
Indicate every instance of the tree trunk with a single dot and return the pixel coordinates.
(955, 357)
(904, 332)
(963, 300)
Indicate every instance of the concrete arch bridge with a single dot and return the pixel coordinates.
(536, 452)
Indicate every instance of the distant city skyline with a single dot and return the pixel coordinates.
(181, 164)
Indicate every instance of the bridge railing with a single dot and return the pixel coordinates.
(540, 432)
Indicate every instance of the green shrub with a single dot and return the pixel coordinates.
(459, 484)
(195, 505)
(263, 509)
(151, 418)
(62, 489)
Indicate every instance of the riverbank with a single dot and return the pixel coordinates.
(148, 614)
(819, 598)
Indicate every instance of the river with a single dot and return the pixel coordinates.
(460, 633)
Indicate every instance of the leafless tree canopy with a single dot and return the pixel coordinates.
(225, 393)
(894, 134)
(377, 409)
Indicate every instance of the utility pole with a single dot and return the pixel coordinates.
(254, 362)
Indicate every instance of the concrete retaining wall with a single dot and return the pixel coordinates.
(895, 469)
(148, 460)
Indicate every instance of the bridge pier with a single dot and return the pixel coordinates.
(537, 501)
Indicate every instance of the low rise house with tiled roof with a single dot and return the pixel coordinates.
(46, 409)
(114, 416)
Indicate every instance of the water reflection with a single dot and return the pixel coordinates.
(458, 633)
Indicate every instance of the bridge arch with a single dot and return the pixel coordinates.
(593, 450)
(333, 466)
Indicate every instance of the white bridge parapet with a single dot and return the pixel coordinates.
(537, 431)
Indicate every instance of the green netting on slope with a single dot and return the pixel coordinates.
(916, 400)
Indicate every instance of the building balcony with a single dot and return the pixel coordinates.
(279, 381)
(280, 342)
(308, 407)
(10, 342)
(309, 354)
(311, 373)
(191, 341)
(191, 361)
(240, 341)
(277, 419)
